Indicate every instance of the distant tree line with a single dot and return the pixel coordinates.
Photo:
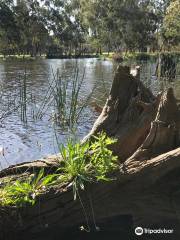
(79, 27)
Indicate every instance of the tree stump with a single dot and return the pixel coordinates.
(147, 182)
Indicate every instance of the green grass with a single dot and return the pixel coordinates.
(22, 192)
(80, 164)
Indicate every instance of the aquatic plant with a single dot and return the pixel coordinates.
(64, 94)
(23, 98)
(8, 104)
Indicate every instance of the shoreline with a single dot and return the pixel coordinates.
(112, 56)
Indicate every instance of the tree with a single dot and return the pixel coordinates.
(120, 24)
(9, 32)
(171, 24)
(30, 26)
(30, 22)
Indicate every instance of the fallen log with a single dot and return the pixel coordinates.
(147, 183)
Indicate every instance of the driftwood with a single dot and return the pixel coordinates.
(147, 182)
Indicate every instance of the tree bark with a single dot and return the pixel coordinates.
(147, 182)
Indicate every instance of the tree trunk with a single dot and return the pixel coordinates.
(146, 188)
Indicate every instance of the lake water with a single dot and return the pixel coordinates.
(37, 138)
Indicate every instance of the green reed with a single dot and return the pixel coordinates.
(23, 98)
(64, 95)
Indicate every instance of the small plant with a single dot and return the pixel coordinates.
(87, 162)
(24, 192)
(75, 168)
(102, 160)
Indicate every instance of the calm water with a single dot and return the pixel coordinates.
(21, 142)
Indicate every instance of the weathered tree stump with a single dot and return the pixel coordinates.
(147, 186)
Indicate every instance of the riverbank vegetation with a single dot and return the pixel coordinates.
(83, 28)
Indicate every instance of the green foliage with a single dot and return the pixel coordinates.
(102, 161)
(121, 24)
(79, 27)
(87, 162)
(75, 168)
(9, 32)
(27, 27)
(81, 164)
(171, 24)
(24, 192)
